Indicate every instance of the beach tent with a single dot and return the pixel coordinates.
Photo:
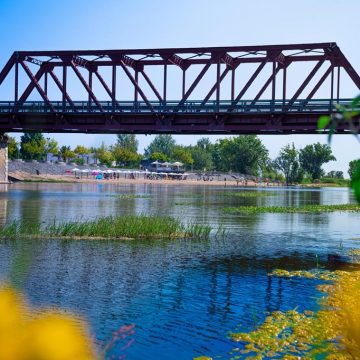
(177, 164)
(156, 163)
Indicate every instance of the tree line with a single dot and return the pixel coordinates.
(245, 154)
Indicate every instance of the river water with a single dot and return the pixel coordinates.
(182, 297)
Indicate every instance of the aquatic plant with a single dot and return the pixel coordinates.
(134, 196)
(47, 335)
(313, 209)
(248, 193)
(332, 333)
(115, 227)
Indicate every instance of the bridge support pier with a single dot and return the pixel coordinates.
(3, 159)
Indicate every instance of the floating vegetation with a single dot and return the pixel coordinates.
(318, 274)
(249, 193)
(313, 209)
(133, 196)
(113, 227)
(332, 333)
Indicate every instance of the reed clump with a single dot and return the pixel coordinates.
(311, 209)
(112, 227)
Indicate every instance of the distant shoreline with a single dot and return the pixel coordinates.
(69, 178)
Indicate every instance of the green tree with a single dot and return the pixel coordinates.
(158, 156)
(128, 141)
(104, 155)
(32, 146)
(51, 146)
(245, 154)
(81, 150)
(288, 163)
(163, 144)
(202, 158)
(13, 148)
(353, 166)
(335, 175)
(182, 154)
(66, 153)
(312, 157)
(125, 156)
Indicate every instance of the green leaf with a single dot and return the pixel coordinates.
(356, 102)
(323, 122)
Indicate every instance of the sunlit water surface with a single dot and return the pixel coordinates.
(183, 296)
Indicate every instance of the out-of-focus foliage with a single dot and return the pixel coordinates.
(26, 334)
(332, 333)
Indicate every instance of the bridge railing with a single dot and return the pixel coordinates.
(193, 106)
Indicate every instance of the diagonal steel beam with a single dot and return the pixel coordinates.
(344, 62)
(62, 89)
(319, 83)
(37, 85)
(5, 71)
(107, 89)
(193, 86)
(246, 87)
(136, 85)
(267, 83)
(151, 85)
(86, 86)
(305, 83)
(31, 86)
(212, 90)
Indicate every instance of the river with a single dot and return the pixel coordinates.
(182, 296)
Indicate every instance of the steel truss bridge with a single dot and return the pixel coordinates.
(150, 111)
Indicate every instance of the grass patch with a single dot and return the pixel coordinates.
(313, 209)
(112, 227)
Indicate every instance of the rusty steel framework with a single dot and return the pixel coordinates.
(150, 111)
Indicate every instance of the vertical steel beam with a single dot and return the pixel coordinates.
(332, 87)
(165, 83)
(232, 84)
(274, 72)
(64, 83)
(284, 85)
(183, 83)
(46, 83)
(16, 95)
(90, 85)
(218, 85)
(338, 85)
(107, 89)
(136, 87)
(113, 87)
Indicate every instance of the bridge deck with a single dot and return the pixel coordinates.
(192, 117)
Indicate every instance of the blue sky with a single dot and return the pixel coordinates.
(115, 24)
